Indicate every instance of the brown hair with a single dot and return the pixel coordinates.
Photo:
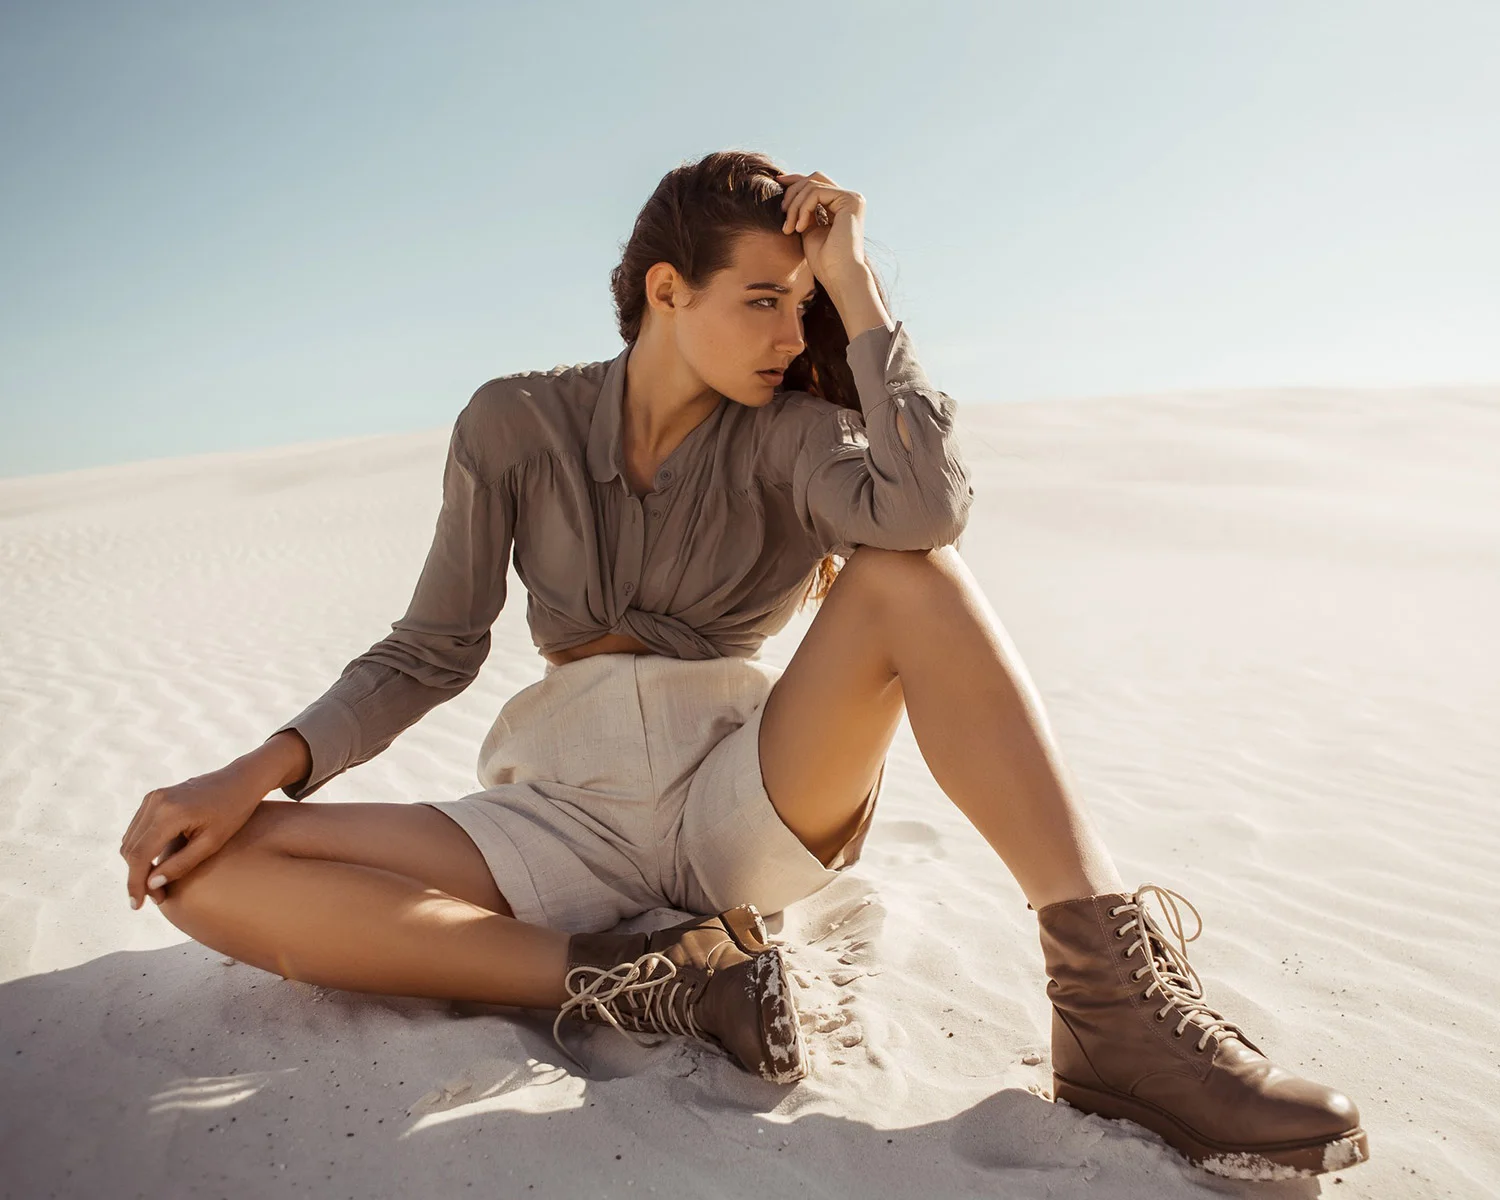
(691, 221)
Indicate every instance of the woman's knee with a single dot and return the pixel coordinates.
(259, 835)
(896, 579)
(207, 892)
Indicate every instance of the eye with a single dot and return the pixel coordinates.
(771, 300)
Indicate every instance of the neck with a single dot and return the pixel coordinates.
(664, 399)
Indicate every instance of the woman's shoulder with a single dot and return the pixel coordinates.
(511, 418)
(795, 420)
(791, 409)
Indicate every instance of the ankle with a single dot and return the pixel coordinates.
(1078, 888)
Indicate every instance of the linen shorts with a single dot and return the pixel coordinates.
(619, 783)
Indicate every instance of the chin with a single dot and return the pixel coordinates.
(760, 399)
(753, 396)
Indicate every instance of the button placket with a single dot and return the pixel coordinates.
(653, 506)
(628, 556)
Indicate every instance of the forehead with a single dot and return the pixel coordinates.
(772, 260)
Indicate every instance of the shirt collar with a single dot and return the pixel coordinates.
(604, 432)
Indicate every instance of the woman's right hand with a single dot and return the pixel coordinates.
(184, 824)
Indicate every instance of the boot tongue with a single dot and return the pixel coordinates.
(1180, 982)
(605, 950)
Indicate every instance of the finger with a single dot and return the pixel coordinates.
(180, 857)
(137, 866)
(818, 214)
(159, 871)
(147, 846)
(807, 209)
(801, 205)
(138, 821)
(789, 207)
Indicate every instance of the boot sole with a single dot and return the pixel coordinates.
(1312, 1157)
(780, 1031)
(785, 1057)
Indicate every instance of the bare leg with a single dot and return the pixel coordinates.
(914, 627)
(362, 927)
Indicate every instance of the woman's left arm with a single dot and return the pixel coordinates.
(896, 479)
(891, 475)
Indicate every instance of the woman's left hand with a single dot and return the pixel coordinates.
(835, 251)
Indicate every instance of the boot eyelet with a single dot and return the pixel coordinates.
(1159, 1017)
(1119, 933)
(1176, 1034)
(1114, 912)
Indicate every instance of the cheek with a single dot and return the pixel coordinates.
(725, 345)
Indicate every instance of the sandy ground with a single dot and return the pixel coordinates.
(1263, 625)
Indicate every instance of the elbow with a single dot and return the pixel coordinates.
(930, 529)
(947, 530)
(948, 513)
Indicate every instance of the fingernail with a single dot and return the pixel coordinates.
(134, 903)
(157, 881)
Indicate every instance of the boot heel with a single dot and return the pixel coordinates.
(746, 928)
(1085, 1099)
(1119, 1108)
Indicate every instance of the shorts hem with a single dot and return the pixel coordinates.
(507, 867)
(745, 851)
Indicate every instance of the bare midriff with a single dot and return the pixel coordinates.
(610, 643)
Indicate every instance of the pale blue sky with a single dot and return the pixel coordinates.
(231, 226)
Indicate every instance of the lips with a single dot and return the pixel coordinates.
(773, 376)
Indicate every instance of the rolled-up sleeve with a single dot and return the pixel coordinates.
(436, 649)
(854, 482)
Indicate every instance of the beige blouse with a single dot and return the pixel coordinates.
(709, 564)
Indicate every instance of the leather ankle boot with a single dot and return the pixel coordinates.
(1133, 1039)
(713, 978)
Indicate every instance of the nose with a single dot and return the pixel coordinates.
(789, 339)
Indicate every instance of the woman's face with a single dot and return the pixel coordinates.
(748, 318)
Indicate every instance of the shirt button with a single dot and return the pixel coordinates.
(666, 474)
(629, 587)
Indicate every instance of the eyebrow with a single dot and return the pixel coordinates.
(777, 287)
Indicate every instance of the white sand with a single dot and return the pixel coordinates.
(1263, 624)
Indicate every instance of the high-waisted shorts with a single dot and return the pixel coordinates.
(622, 782)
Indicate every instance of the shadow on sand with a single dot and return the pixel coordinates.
(175, 1071)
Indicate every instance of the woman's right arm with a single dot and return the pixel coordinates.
(432, 654)
(436, 649)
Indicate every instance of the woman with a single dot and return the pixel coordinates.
(667, 511)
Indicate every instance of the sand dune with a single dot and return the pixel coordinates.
(1263, 625)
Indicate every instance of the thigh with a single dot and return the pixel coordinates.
(830, 718)
(410, 839)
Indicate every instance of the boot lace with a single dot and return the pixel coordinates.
(644, 996)
(1172, 976)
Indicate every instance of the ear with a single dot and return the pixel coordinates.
(665, 287)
